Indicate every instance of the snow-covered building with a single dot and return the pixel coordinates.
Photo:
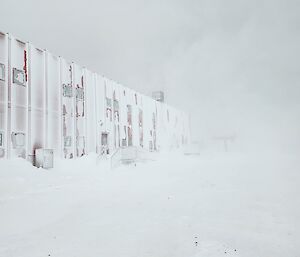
(51, 103)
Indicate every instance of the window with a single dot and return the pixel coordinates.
(67, 90)
(18, 140)
(19, 77)
(79, 94)
(68, 141)
(116, 105)
(108, 103)
(108, 109)
(2, 72)
(104, 139)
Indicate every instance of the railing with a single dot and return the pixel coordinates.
(129, 155)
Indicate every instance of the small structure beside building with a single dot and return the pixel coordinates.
(158, 96)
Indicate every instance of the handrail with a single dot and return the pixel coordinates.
(115, 158)
(126, 155)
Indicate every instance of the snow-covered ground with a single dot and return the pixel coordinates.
(187, 206)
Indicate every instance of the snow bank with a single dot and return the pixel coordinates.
(186, 206)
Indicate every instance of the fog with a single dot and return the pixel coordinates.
(234, 65)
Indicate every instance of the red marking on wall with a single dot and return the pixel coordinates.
(25, 64)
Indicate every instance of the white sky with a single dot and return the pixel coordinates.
(233, 64)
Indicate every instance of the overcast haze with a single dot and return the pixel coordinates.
(233, 64)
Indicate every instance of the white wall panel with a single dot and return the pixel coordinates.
(3, 93)
(108, 121)
(54, 120)
(90, 92)
(147, 123)
(141, 114)
(135, 117)
(163, 126)
(101, 115)
(18, 97)
(130, 113)
(123, 116)
(116, 115)
(151, 124)
(68, 112)
(36, 100)
(80, 124)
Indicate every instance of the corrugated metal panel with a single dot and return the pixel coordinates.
(68, 112)
(108, 121)
(36, 100)
(91, 109)
(80, 124)
(104, 114)
(3, 94)
(123, 116)
(53, 104)
(116, 115)
(18, 98)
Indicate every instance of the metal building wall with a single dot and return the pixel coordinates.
(91, 110)
(147, 123)
(129, 116)
(173, 140)
(124, 122)
(108, 122)
(79, 116)
(3, 93)
(101, 115)
(151, 125)
(18, 98)
(162, 126)
(123, 116)
(53, 104)
(162, 135)
(36, 100)
(116, 115)
(68, 104)
(49, 102)
(135, 118)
